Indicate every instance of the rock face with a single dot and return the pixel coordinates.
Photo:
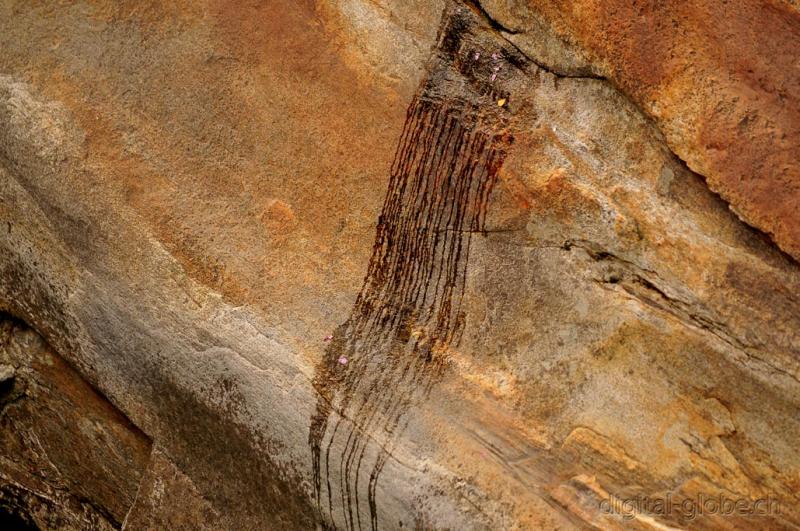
(375, 264)
(70, 460)
(720, 78)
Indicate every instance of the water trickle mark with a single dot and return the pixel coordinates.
(393, 347)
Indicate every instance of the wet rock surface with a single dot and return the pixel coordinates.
(369, 264)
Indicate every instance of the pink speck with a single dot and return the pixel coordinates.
(328, 338)
(477, 56)
(494, 56)
(494, 76)
(497, 68)
(342, 360)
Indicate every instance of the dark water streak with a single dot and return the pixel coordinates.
(409, 310)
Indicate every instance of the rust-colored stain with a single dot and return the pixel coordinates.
(393, 347)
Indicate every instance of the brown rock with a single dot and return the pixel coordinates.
(304, 250)
(167, 499)
(720, 79)
(68, 459)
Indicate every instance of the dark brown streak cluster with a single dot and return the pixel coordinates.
(394, 345)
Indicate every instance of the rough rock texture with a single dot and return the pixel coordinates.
(167, 499)
(69, 459)
(381, 264)
(721, 78)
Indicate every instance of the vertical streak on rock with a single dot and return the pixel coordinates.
(393, 347)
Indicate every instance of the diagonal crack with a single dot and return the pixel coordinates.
(643, 285)
(502, 31)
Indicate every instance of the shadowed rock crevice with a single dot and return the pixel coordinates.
(70, 459)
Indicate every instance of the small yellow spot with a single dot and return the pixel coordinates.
(501, 102)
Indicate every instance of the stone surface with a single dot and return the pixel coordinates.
(167, 499)
(721, 79)
(414, 265)
(68, 458)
